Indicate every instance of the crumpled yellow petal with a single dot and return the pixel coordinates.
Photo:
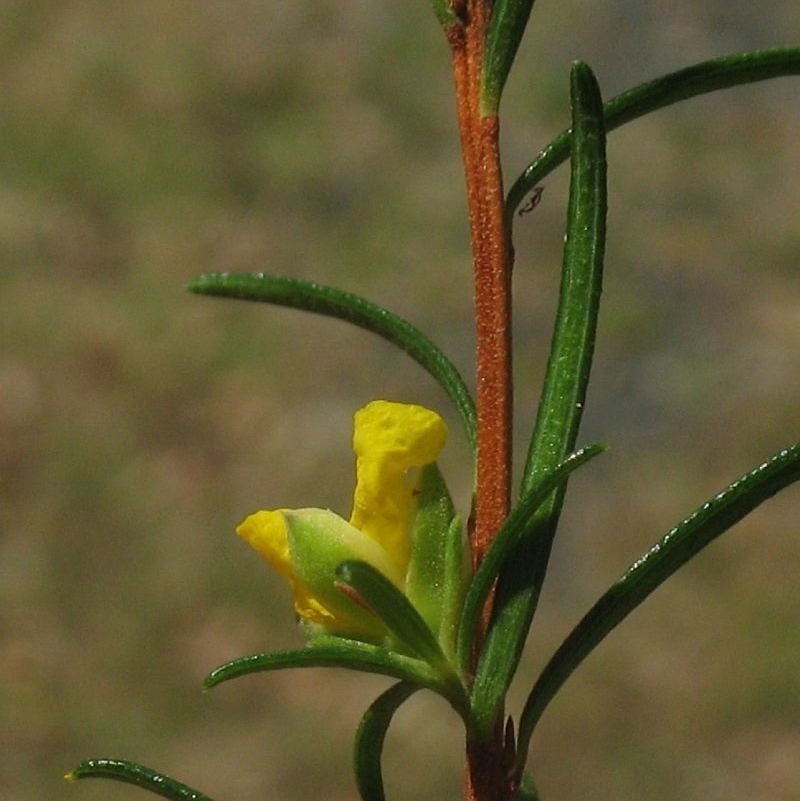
(390, 440)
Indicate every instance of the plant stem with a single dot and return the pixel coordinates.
(492, 259)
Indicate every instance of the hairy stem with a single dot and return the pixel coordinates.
(492, 258)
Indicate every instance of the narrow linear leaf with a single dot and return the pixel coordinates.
(514, 529)
(395, 610)
(561, 404)
(123, 771)
(664, 559)
(707, 76)
(331, 302)
(572, 348)
(506, 28)
(331, 652)
(370, 738)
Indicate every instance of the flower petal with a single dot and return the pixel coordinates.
(268, 533)
(389, 440)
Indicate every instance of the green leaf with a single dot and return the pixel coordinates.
(572, 348)
(331, 651)
(379, 595)
(386, 602)
(562, 399)
(647, 573)
(131, 773)
(506, 27)
(514, 529)
(707, 76)
(331, 302)
(370, 738)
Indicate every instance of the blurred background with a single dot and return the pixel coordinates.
(144, 143)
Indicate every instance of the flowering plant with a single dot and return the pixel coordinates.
(405, 589)
(403, 526)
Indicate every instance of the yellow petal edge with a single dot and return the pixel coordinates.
(266, 531)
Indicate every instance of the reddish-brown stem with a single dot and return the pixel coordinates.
(486, 778)
(493, 343)
(492, 257)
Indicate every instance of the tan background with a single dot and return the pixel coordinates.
(143, 143)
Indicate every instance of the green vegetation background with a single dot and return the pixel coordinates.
(143, 143)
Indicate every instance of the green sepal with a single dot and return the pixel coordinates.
(129, 772)
(331, 302)
(319, 540)
(506, 27)
(438, 570)
(370, 737)
(651, 570)
(707, 76)
(327, 650)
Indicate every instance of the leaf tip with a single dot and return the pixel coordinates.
(213, 679)
(200, 284)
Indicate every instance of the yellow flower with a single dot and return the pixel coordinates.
(392, 442)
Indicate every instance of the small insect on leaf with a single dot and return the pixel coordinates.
(532, 202)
